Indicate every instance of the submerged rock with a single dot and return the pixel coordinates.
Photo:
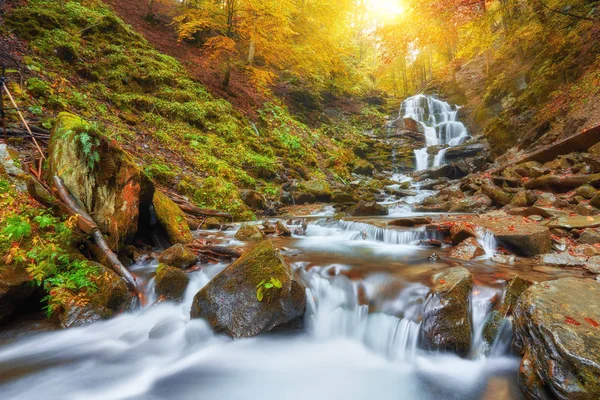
(467, 250)
(170, 283)
(178, 256)
(446, 322)
(557, 330)
(249, 233)
(230, 301)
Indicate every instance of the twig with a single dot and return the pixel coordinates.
(568, 14)
(23, 120)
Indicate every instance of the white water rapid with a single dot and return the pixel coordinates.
(438, 120)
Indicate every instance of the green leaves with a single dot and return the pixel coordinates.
(266, 285)
(17, 228)
(44, 221)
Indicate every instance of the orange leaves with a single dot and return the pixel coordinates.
(591, 322)
(571, 321)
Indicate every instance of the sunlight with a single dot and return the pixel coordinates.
(387, 9)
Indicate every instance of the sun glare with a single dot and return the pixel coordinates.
(387, 9)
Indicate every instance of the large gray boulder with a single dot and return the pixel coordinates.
(231, 301)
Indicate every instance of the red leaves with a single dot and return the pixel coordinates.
(442, 281)
(591, 322)
(571, 321)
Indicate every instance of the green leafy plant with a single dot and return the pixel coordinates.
(266, 285)
(16, 228)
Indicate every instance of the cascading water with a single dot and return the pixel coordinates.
(440, 127)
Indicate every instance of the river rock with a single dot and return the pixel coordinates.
(563, 260)
(253, 199)
(107, 182)
(170, 283)
(111, 297)
(446, 322)
(545, 212)
(311, 191)
(211, 224)
(595, 201)
(590, 236)
(499, 196)
(282, 229)
(511, 295)
(524, 239)
(586, 191)
(523, 198)
(563, 183)
(178, 256)
(462, 231)
(558, 333)
(367, 209)
(172, 219)
(575, 222)
(229, 301)
(411, 221)
(15, 289)
(249, 233)
(467, 250)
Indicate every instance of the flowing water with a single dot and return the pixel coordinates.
(366, 289)
(366, 286)
(440, 125)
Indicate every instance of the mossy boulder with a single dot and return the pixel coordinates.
(170, 283)
(111, 297)
(249, 233)
(311, 191)
(211, 223)
(513, 291)
(446, 322)
(172, 219)
(100, 176)
(556, 332)
(229, 302)
(178, 256)
(16, 288)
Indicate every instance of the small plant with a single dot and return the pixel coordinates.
(16, 228)
(266, 285)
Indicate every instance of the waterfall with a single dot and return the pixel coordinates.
(440, 127)
(333, 311)
(389, 236)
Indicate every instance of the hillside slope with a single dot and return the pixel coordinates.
(82, 58)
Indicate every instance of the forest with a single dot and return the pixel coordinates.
(336, 199)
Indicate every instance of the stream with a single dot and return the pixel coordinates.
(348, 350)
(366, 287)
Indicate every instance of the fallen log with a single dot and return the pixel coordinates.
(88, 226)
(203, 212)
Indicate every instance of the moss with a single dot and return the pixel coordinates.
(172, 219)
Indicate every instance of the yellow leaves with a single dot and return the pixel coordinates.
(71, 222)
(220, 46)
